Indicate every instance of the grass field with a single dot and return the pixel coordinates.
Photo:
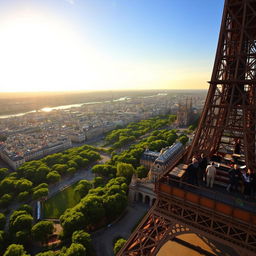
(55, 206)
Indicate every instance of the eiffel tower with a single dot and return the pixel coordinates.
(228, 119)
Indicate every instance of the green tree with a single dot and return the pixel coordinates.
(60, 168)
(23, 185)
(82, 237)
(104, 170)
(72, 163)
(93, 156)
(53, 159)
(40, 193)
(125, 170)
(98, 182)
(141, 171)
(172, 138)
(23, 196)
(27, 208)
(72, 220)
(42, 185)
(41, 173)
(7, 184)
(76, 250)
(71, 170)
(5, 200)
(118, 245)
(157, 145)
(53, 177)
(20, 220)
(114, 205)
(21, 237)
(93, 209)
(183, 139)
(83, 187)
(42, 230)
(15, 250)
(20, 226)
(78, 160)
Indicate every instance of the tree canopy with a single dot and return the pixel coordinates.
(41, 230)
(118, 245)
(15, 250)
(76, 250)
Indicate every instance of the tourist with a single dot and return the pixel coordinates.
(210, 175)
(192, 171)
(202, 168)
(247, 182)
(237, 149)
(234, 178)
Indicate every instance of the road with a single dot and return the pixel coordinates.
(83, 174)
(103, 239)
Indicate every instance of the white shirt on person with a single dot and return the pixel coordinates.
(211, 170)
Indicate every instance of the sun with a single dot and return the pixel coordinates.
(40, 53)
(44, 52)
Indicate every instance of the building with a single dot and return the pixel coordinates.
(158, 162)
(185, 114)
(142, 190)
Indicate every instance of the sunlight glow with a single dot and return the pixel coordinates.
(41, 53)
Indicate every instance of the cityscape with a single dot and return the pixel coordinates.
(34, 135)
(115, 137)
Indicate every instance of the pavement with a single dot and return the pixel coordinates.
(103, 239)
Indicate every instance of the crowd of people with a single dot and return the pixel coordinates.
(202, 172)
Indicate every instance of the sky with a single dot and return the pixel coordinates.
(65, 45)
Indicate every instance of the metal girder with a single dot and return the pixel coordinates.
(230, 106)
(171, 217)
(229, 111)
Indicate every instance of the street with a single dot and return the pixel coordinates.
(103, 239)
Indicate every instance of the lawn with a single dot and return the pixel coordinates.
(56, 205)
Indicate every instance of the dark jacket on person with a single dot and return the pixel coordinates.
(191, 173)
(203, 163)
(234, 176)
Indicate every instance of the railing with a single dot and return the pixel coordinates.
(183, 188)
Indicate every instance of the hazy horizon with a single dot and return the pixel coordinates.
(19, 93)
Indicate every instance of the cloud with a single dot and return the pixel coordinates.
(70, 1)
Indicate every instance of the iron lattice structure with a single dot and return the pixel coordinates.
(229, 114)
(230, 108)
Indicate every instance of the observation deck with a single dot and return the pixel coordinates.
(227, 216)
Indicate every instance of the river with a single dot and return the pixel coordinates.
(49, 109)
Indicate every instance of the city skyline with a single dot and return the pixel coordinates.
(107, 45)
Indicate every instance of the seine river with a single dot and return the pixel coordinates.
(49, 109)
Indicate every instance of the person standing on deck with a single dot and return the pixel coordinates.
(196, 169)
(234, 178)
(192, 172)
(202, 168)
(247, 180)
(210, 175)
(237, 149)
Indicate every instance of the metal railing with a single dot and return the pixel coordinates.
(235, 201)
